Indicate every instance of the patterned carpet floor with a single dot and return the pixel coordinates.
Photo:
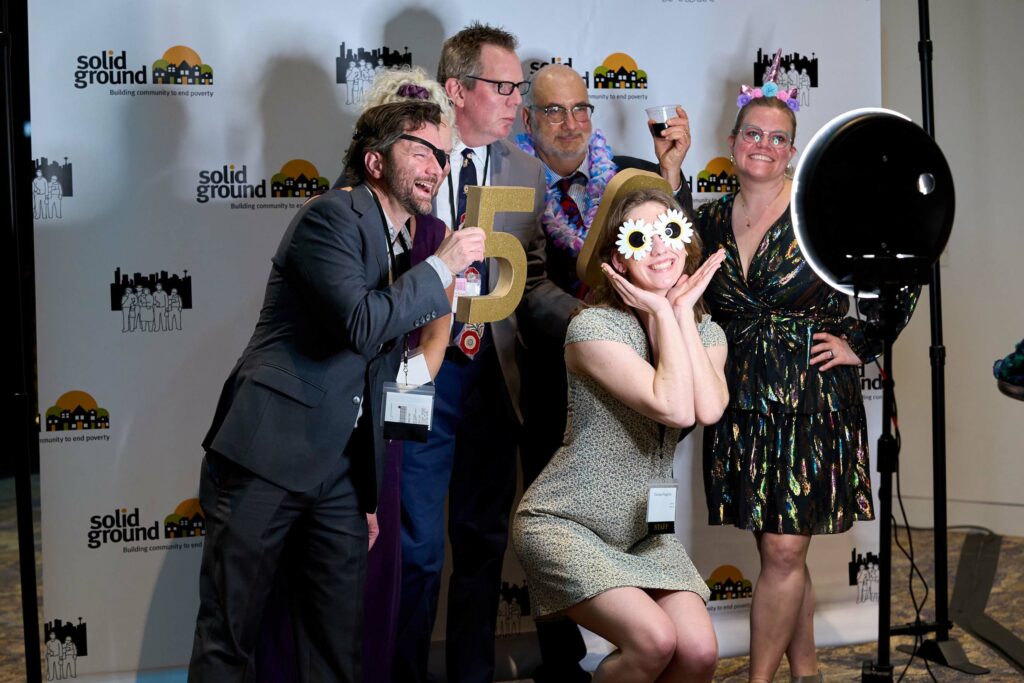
(1005, 605)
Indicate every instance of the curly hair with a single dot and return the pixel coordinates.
(388, 84)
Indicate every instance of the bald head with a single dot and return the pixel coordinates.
(554, 78)
(563, 145)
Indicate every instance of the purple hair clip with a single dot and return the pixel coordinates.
(769, 88)
(413, 91)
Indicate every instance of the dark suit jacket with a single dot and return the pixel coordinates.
(543, 302)
(324, 343)
(684, 196)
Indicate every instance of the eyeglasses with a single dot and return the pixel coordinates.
(776, 138)
(505, 87)
(440, 155)
(556, 113)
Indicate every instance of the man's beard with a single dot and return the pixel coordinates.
(402, 189)
(553, 151)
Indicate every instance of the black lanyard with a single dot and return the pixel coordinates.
(451, 190)
(393, 264)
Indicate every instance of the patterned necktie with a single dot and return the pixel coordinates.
(568, 204)
(468, 337)
(467, 177)
(575, 218)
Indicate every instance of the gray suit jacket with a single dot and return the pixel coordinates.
(544, 303)
(324, 343)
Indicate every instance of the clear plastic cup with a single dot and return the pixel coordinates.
(657, 117)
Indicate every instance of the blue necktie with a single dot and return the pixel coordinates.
(469, 337)
(467, 177)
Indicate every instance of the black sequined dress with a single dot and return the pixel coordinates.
(790, 454)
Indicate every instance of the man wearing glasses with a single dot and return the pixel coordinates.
(470, 452)
(578, 163)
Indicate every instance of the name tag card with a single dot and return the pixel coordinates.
(407, 411)
(661, 507)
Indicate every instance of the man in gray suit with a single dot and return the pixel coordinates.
(295, 449)
(470, 453)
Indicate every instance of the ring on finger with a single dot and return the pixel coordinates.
(831, 355)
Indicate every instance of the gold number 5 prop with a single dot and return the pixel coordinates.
(588, 265)
(481, 205)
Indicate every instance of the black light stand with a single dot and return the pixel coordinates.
(900, 165)
(19, 280)
(943, 649)
(897, 163)
(888, 462)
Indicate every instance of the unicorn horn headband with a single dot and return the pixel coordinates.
(769, 88)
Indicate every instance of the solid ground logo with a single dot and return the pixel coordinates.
(229, 182)
(717, 176)
(120, 526)
(64, 643)
(298, 178)
(356, 69)
(870, 381)
(863, 573)
(567, 61)
(51, 184)
(727, 583)
(619, 71)
(151, 303)
(107, 68)
(795, 71)
(186, 521)
(77, 411)
(181, 65)
(127, 528)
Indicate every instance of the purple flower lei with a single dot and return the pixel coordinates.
(564, 234)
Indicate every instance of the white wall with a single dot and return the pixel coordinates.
(979, 101)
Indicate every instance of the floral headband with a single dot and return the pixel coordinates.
(769, 88)
(636, 236)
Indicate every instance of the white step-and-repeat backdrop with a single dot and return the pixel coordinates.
(172, 142)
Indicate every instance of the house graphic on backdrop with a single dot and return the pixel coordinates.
(619, 70)
(181, 65)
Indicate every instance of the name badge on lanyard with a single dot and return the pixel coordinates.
(661, 506)
(408, 408)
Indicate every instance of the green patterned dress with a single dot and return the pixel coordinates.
(581, 527)
(790, 454)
